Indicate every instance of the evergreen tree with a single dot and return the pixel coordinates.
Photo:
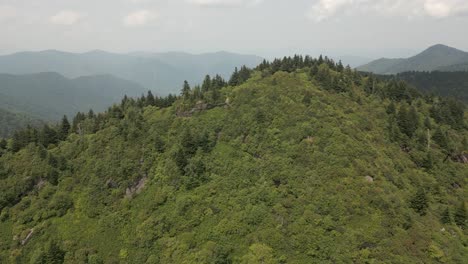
(150, 100)
(408, 120)
(427, 123)
(48, 136)
(420, 202)
(460, 215)
(234, 80)
(391, 109)
(340, 66)
(206, 86)
(91, 114)
(446, 217)
(186, 90)
(64, 128)
(244, 74)
(3, 144)
(440, 138)
(313, 71)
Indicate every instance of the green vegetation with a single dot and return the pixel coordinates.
(436, 58)
(48, 96)
(11, 122)
(447, 84)
(299, 160)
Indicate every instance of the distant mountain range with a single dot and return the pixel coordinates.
(48, 96)
(436, 58)
(162, 73)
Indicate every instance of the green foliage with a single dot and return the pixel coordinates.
(291, 165)
(420, 202)
(460, 215)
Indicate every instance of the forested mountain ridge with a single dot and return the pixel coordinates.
(298, 161)
(48, 96)
(11, 122)
(449, 84)
(435, 58)
(159, 72)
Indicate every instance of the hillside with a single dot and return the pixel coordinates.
(447, 84)
(11, 122)
(159, 72)
(49, 96)
(297, 161)
(437, 57)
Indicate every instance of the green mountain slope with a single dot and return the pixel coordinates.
(11, 122)
(448, 84)
(437, 57)
(298, 161)
(160, 72)
(49, 96)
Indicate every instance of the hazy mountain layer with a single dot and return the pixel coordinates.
(49, 96)
(438, 57)
(161, 72)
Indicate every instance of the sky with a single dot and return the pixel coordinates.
(366, 28)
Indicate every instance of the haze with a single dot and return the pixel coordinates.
(263, 27)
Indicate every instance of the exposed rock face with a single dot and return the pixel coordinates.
(26, 239)
(136, 189)
(369, 179)
(462, 158)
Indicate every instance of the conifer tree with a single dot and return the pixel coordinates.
(3, 144)
(391, 109)
(460, 215)
(446, 217)
(64, 128)
(186, 90)
(420, 202)
(150, 100)
(206, 86)
(234, 80)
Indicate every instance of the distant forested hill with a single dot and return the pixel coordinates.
(299, 160)
(49, 96)
(448, 84)
(438, 57)
(11, 122)
(160, 72)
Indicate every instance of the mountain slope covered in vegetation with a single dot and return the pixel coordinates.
(447, 84)
(11, 122)
(297, 161)
(438, 57)
(49, 96)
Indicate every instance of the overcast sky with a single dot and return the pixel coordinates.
(371, 28)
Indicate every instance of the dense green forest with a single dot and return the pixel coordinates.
(448, 84)
(48, 96)
(11, 122)
(299, 160)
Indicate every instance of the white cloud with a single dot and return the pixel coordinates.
(7, 12)
(324, 9)
(139, 18)
(66, 18)
(224, 3)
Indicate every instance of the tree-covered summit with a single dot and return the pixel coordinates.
(299, 160)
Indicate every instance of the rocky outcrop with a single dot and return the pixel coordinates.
(462, 158)
(137, 188)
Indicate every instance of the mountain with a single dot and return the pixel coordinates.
(49, 96)
(438, 57)
(161, 72)
(449, 84)
(11, 122)
(293, 162)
